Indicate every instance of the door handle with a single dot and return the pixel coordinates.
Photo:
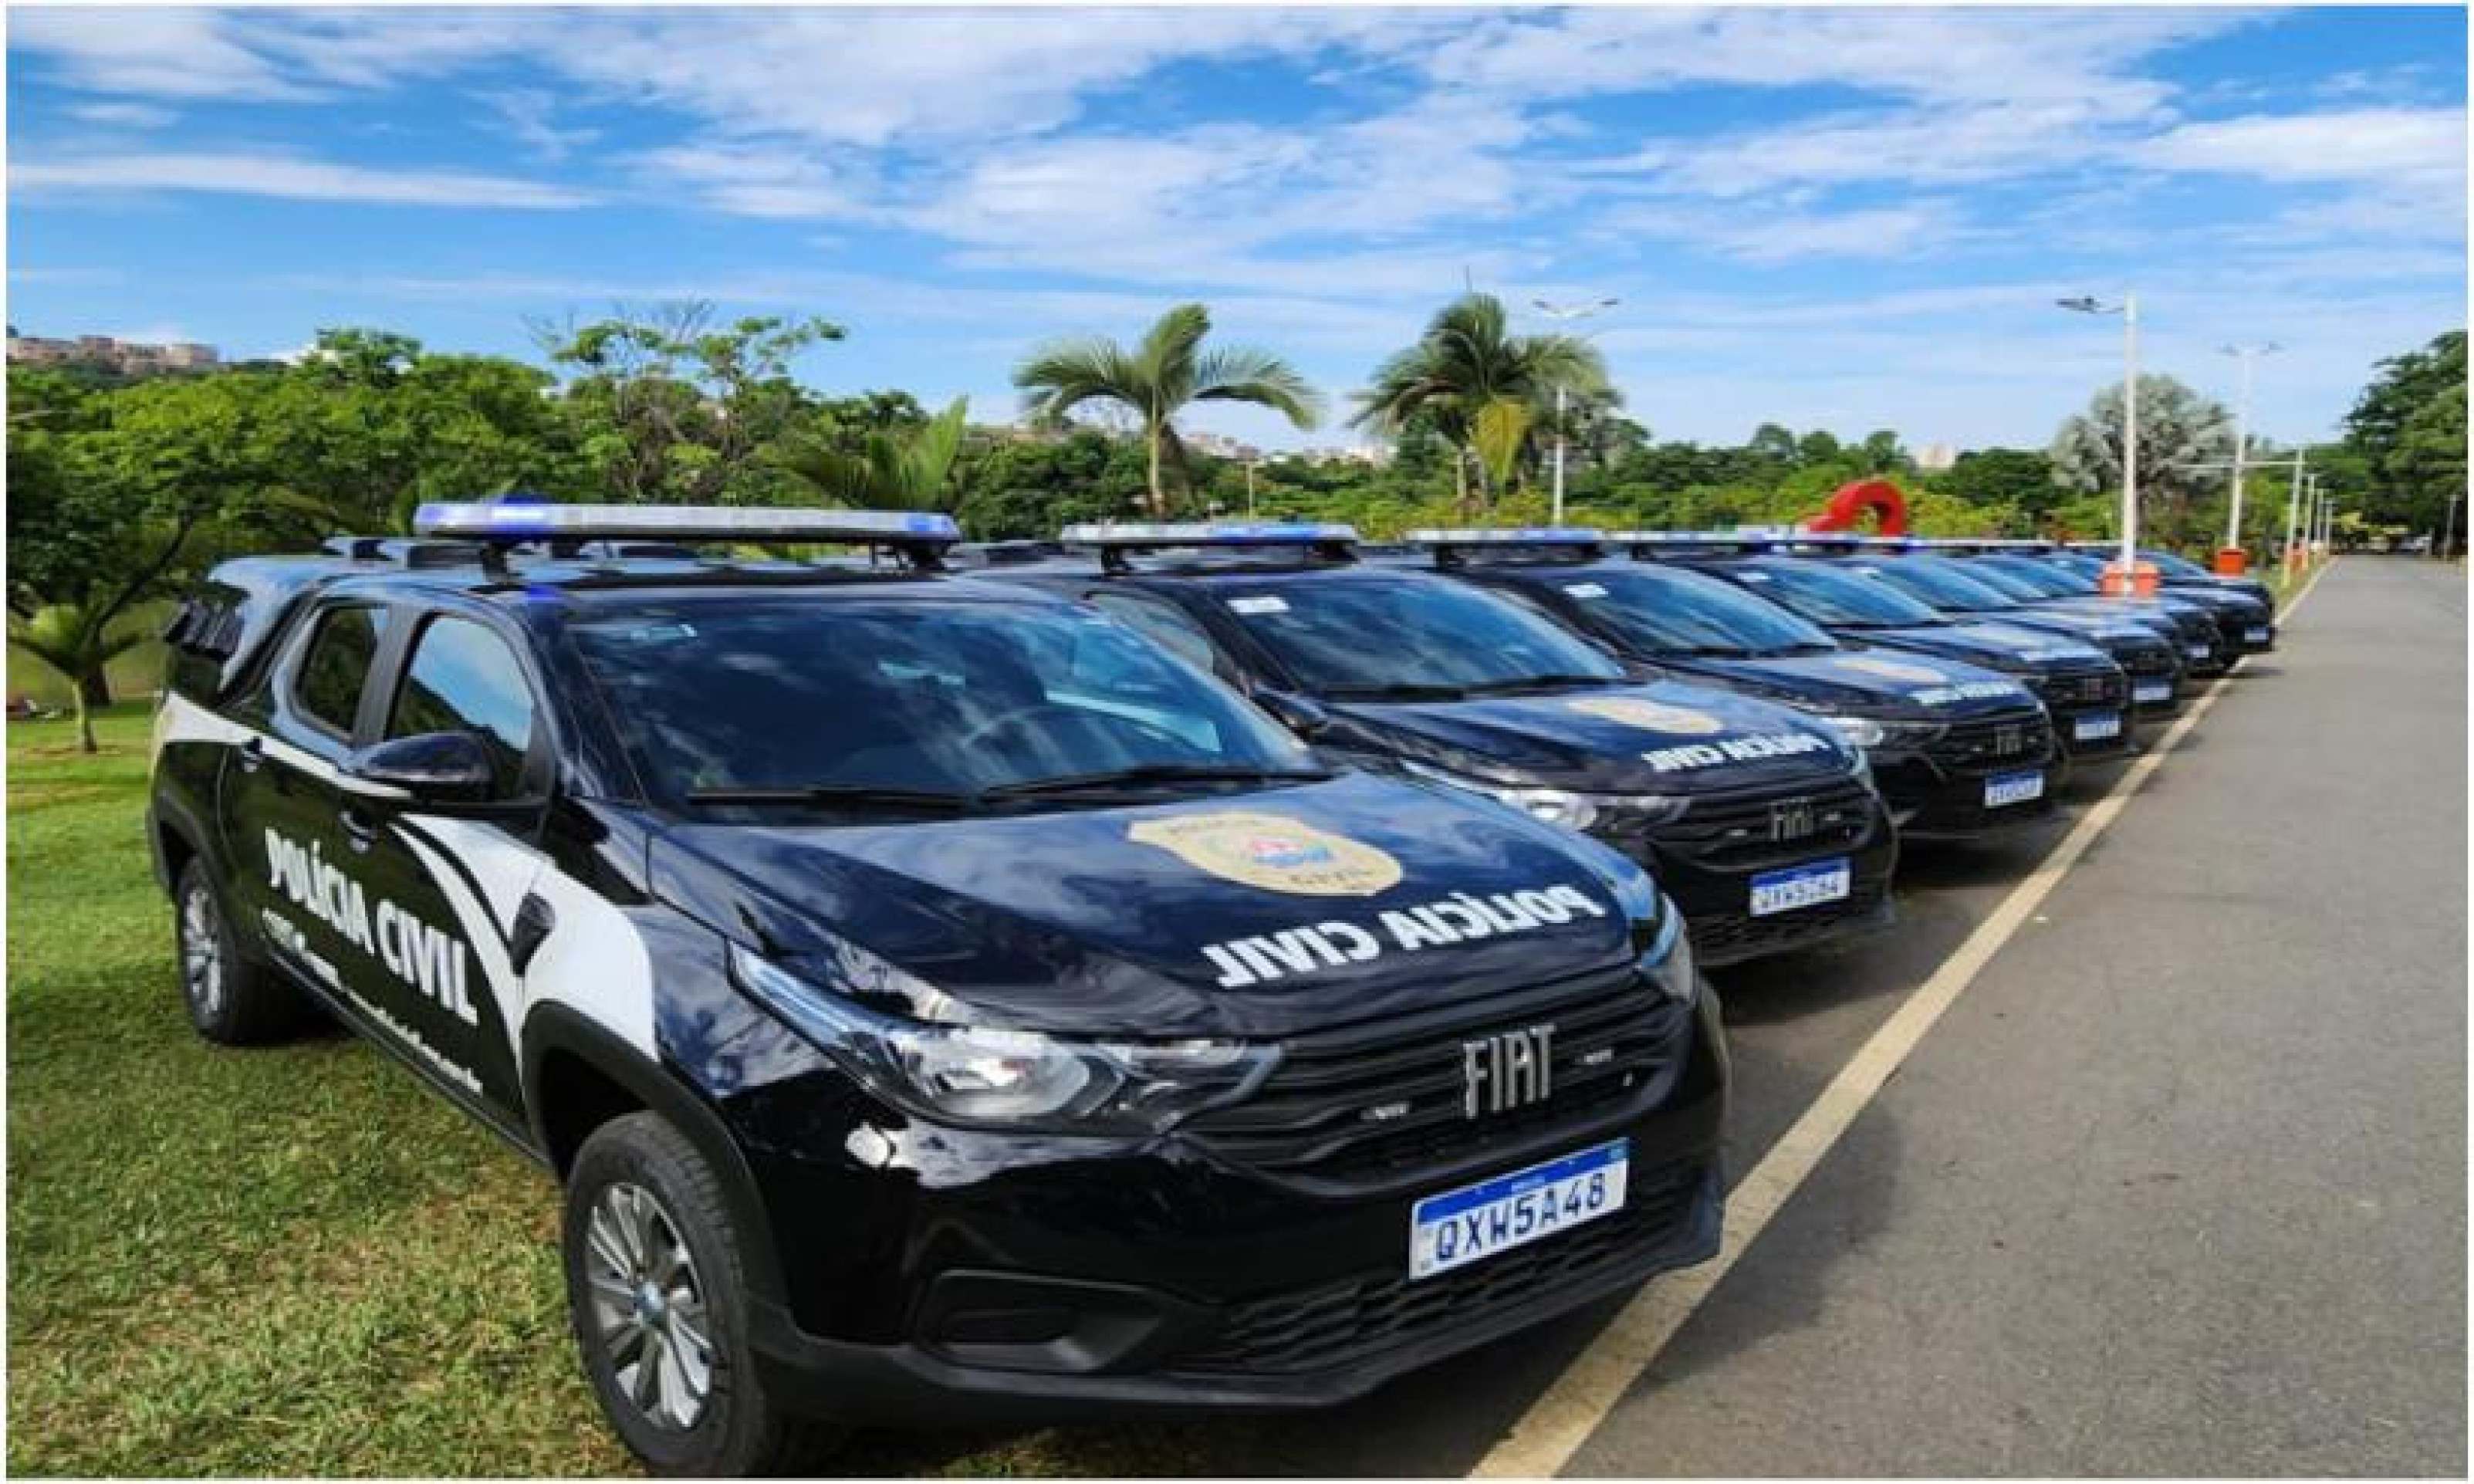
(253, 754)
(359, 828)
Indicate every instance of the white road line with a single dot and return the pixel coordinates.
(1564, 1417)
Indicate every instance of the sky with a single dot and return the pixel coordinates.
(1834, 218)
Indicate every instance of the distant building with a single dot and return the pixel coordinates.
(129, 357)
(1934, 457)
(1221, 445)
(1373, 455)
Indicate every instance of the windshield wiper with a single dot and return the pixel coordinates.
(1113, 778)
(1394, 693)
(1529, 683)
(834, 793)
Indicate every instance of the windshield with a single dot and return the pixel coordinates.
(2088, 568)
(1834, 598)
(2029, 579)
(1661, 609)
(734, 694)
(2174, 565)
(1397, 633)
(1936, 581)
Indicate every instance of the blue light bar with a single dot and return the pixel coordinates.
(1518, 536)
(514, 521)
(1209, 533)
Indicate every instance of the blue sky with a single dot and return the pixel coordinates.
(1830, 218)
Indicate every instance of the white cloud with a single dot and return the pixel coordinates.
(2413, 148)
(528, 114)
(292, 179)
(123, 115)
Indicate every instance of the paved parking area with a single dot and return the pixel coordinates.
(2178, 1186)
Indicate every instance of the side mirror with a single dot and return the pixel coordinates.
(435, 767)
(1302, 715)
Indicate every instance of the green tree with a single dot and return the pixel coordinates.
(2409, 429)
(2178, 430)
(1167, 370)
(2019, 479)
(670, 404)
(1466, 362)
(907, 469)
(77, 640)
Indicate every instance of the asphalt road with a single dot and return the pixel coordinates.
(2177, 1187)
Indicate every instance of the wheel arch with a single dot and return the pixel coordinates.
(578, 1076)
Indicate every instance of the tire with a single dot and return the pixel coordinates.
(638, 1193)
(233, 1000)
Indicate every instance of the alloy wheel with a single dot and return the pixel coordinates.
(648, 1307)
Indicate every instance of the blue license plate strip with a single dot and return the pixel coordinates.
(1456, 1227)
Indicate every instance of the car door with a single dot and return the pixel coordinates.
(294, 876)
(450, 883)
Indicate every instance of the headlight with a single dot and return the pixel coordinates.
(1017, 1080)
(1669, 956)
(1556, 806)
(1858, 731)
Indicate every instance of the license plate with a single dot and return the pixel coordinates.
(1801, 886)
(2196, 651)
(1476, 1222)
(2147, 691)
(2014, 787)
(2255, 636)
(2095, 726)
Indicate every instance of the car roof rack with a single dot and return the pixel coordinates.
(1455, 545)
(919, 538)
(404, 551)
(1315, 540)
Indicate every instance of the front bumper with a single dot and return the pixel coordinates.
(1251, 1261)
(1938, 791)
(1707, 861)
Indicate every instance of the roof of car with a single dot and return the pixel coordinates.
(527, 577)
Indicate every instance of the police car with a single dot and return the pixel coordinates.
(1759, 822)
(1956, 751)
(2246, 611)
(2011, 568)
(2084, 691)
(938, 1001)
(2150, 659)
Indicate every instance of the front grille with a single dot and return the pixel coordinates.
(1383, 1102)
(2082, 687)
(1356, 1319)
(1993, 745)
(1727, 937)
(2149, 662)
(1743, 831)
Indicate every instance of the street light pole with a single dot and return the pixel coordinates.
(2292, 512)
(2129, 309)
(1563, 314)
(2248, 355)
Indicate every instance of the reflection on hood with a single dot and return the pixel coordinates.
(1664, 737)
(1894, 684)
(1260, 913)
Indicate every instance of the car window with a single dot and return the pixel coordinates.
(1936, 583)
(464, 678)
(1163, 625)
(796, 693)
(328, 686)
(1363, 634)
(1814, 591)
(1664, 610)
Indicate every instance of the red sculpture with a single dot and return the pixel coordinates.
(1847, 507)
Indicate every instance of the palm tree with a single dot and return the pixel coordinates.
(907, 470)
(1468, 373)
(78, 640)
(1155, 380)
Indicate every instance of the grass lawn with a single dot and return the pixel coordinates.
(293, 1261)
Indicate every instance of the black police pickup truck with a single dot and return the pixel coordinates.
(2244, 609)
(1956, 751)
(1759, 822)
(2009, 566)
(938, 1001)
(2152, 660)
(2086, 694)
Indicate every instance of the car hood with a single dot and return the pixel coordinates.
(1258, 915)
(2103, 629)
(2002, 646)
(1868, 683)
(1664, 737)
